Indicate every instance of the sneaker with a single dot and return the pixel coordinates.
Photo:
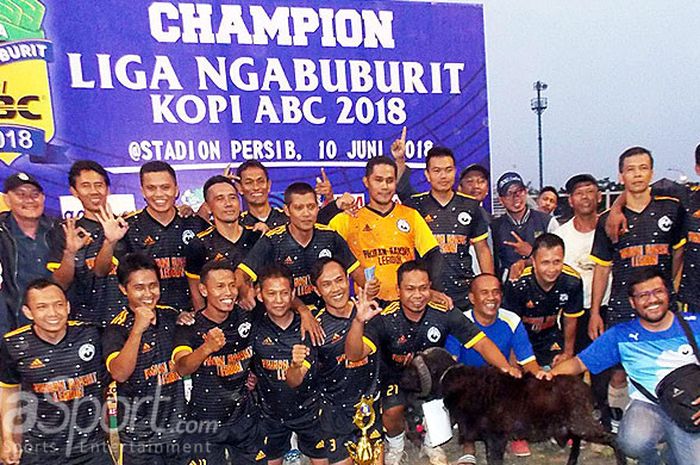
(520, 448)
(392, 456)
(467, 459)
(436, 455)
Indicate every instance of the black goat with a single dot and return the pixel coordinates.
(491, 406)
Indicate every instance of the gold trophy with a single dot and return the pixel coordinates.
(368, 450)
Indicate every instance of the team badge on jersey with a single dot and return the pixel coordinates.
(86, 352)
(464, 218)
(665, 223)
(325, 253)
(187, 236)
(563, 297)
(403, 225)
(434, 334)
(244, 329)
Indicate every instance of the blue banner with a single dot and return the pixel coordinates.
(205, 84)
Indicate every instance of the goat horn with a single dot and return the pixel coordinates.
(426, 381)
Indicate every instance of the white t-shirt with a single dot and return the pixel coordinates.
(578, 256)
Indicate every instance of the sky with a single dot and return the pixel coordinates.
(620, 74)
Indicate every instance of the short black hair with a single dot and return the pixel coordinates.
(320, 264)
(132, 263)
(40, 284)
(218, 179)
(157, 166)
(251, 164)
(642, 276)
(214, 265)
(381, 160)
(632, 151)
(549, 189)
(437, 152)
(297, 188)
(86, 165)
(697, 155)
(547, 241)
(483, 275)
(276, 270)
(412, 265)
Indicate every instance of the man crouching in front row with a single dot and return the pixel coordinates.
(402, 329)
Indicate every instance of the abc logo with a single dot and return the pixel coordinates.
(10, 108)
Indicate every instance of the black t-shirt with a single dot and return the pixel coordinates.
(219, 385)
(396, 337)
(93, 299)
(66, 378)
(278, 246)
(275, 219)
(343, 382)
(272, 349)
(689, 292)
(211, 245)
(541, 311)
(652, 235)
(456, 226)
(166, 245)
(154, 377)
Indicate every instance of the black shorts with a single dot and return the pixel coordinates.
(93, 454)
(242, 437)
(279, 432)
(338, 430)
(392, 395)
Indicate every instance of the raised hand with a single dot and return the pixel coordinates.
(299, 354)
(114, 227)
(521, 247)
(323, 186)
(398, 148)
(144, 317)
(365, 307)
(214, 340)
(76, 237)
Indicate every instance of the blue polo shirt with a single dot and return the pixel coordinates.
(507, 332)
(646, 356)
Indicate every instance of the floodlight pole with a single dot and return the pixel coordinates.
(539, 105)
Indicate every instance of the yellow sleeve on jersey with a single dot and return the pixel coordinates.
(341, 224)
(425, 241)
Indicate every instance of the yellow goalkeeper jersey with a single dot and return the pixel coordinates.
(385, 241)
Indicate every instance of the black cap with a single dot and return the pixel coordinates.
(219, 178)
(474, 167)
(19, 179)
(574, 181)
(506, 180)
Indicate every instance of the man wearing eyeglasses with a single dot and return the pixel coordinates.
(24, 245)
(515, 231)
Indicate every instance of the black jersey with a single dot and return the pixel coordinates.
(66, 378)
(278, 246)
(344, 382)
(272, 355)
(275, 219)
(456, 226)
(93, 299)
(652, 235)
(689, 291)
(153, 378)
(166, 245)
(219, 385)
(211, 245)
(541, 311)
(397, 338)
